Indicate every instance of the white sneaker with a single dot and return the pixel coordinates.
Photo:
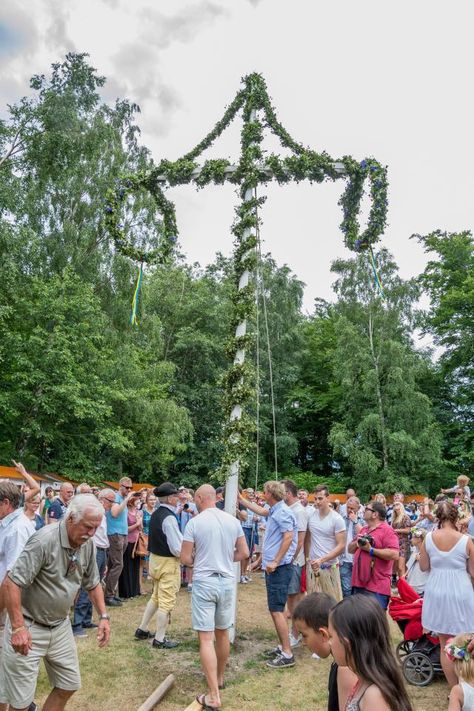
(243, 580)
(294, 641)
(315, 656)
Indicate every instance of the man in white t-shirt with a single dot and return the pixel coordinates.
(301, 516)
(324, 543)
(212, 542)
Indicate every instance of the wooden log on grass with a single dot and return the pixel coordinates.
(158, 694)
(195, 706)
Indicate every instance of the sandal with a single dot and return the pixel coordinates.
(201, 699)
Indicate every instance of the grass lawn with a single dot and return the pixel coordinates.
(124, 675)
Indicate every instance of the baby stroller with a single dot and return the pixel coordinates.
(418, 653)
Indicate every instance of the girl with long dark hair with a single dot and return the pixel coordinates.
(360, 639)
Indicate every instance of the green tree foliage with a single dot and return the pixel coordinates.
(279, 325)
(193, 308)
(87, 395)
(317, 391)
(448, 280)
(81, 392)
(385, 433)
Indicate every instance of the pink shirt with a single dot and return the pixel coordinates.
(377, 578)
(132, 519)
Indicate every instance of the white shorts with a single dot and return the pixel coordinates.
(211, 603)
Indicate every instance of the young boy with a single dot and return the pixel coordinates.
(311, 620)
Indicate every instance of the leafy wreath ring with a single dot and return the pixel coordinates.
(115, 199)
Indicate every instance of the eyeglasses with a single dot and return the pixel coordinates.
(367, 508)
(72, 565)
(111, 501)
(126, 487)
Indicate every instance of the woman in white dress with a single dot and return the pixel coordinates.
(448, 606)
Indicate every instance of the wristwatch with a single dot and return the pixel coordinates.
(104, 616)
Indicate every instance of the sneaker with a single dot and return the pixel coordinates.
(79, 632)
(190, 587)
(112, 602)
(281, 662)
(272, 653)
(294, 641)
(143, 634)
(90, 626)
(32, 706)
(165, 644)
(315, 656)
(119, 599)
(243, 579)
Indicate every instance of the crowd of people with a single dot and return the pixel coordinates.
(330, 572)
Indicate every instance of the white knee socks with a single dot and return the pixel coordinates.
(150, 610)
(161, 625)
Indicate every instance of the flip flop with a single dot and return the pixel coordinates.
(201, 699)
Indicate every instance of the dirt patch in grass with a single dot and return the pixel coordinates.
(125, 674)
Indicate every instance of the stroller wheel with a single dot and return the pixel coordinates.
(403, 648)
(417, 669)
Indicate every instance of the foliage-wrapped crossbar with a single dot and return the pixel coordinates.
(252, 169)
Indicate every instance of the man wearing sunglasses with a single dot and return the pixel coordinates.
(117, 530)
(375, 548)
(38, 593)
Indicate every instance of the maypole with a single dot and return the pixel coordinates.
(253, 168)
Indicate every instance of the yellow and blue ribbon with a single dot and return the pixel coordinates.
(378, 283)
(135, 300)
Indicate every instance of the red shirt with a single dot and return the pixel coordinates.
(376, 579)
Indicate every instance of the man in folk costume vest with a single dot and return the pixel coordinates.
(164, 544)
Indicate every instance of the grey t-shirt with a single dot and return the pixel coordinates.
(50, 573)
(214, 534)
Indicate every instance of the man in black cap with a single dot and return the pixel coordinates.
(164, 544)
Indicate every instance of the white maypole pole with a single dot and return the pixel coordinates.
(232, 483)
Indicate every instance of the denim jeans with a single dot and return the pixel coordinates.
(83, 606)
(383, 600)
(345, 571)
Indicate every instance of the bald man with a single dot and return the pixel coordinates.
(58, 508)
(212, 542)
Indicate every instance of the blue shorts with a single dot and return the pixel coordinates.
(211, 603)
(295, 583)
(251, 536)
(278, 584)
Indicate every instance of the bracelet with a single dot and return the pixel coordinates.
(371, 552)
(18, 629)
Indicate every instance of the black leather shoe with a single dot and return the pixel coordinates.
(90, 626)
(165, 644)
(112, 602)
(143, 634)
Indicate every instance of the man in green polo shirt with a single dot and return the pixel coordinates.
(38, 593)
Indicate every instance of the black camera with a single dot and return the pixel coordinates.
(185, 507)
(365, 539)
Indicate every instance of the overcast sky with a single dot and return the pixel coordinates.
(393, 80)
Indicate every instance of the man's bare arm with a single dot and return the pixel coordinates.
(34, 487)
